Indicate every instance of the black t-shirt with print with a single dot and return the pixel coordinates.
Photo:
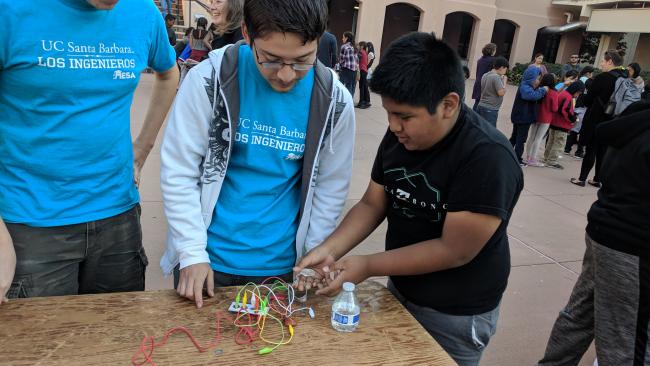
(472, 169)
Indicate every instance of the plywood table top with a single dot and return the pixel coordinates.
(106, 329)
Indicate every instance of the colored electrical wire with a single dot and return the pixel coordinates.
(148, 344)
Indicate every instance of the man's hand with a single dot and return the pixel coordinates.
(353, 269)
(139, 157)
(7, 262)
(191, 281)
(319, 259)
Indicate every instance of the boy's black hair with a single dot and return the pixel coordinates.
(500, 62)
(571, 74)
(305, 18)
(419, 70)
(586, 70)
(548, 80)
(170, 17)
(576, 86)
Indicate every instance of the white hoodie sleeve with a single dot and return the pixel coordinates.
(333, 175)
(183, 149)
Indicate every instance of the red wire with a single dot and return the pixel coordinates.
(148, 344)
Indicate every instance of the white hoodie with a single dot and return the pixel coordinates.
(197, 145)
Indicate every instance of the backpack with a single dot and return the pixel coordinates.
(625, 93)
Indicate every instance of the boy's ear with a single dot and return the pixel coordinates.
(450, 105)
(244, 32)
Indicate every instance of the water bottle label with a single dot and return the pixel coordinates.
(345, 319)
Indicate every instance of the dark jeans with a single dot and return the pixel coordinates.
(94, 257)
(222, 279)
(349, 79)
(571, 140)
(518, 138)
(364, 93)
(490, 115)
(593, 156)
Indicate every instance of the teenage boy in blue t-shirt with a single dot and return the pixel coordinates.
(257, 155)
(68, 168)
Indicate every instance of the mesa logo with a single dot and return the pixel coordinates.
(119, 74)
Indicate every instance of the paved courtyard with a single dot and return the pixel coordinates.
(546, 234)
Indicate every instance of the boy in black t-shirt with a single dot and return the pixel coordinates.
(447, 182)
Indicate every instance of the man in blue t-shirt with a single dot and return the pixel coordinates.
(257, 155)
(68, 168)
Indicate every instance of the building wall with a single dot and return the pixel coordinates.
(529, 16)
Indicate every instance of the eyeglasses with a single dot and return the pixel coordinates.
(275, 65)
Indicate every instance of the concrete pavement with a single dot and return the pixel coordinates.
(546, 234)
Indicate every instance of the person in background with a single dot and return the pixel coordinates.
(609, 302)
(183, 46)
(348, 63)
(567, 80)
(171, 33)
(167, 6)
(466, 71)
(646, 92)
(483, 65)
(328, 50)
(225, 29)
(562, 122)
(370, 48)
(198, 40)
(69, 168)
(364, 93)
(586, 77)
(600, 91)
(538, 62)
(546, 110)
(573, 64)
(524, 109)
(634, 72)
(493, 88)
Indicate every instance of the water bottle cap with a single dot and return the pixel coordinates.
(348, 286)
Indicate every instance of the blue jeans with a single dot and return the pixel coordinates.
(488, 114)
(463, 337)
(166, 6)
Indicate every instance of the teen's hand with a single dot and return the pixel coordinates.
(139, 157)
(7, 262)
(192, 280)
(352, 268)
(320, 260)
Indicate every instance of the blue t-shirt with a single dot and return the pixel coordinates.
(67, 76)
(254, 224)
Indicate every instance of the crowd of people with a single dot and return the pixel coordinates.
(256, 161)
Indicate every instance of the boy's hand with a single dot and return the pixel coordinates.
(350, 269)
(320, 260)
(192, 279)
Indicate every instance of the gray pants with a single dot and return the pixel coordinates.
(94, 257)
(463, 337)
(610, 304)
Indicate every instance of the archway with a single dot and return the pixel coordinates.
(546, 44)
(503, 36)
(400, 19)
(457, 32)
(342, 17)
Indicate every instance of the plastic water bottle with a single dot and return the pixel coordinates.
(345, 310)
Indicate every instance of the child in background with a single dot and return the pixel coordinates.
(562, 122)
(568, 79)
(524, 109)
(586, 77)
(546, 109)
